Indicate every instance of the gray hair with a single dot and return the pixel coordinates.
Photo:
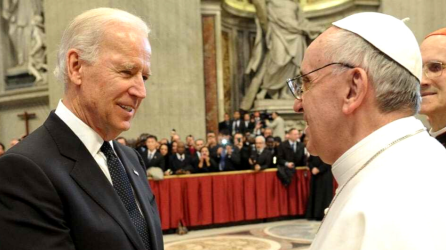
(396, 88)
(261, 138)
(85, 34)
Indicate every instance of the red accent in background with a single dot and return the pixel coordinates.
(215, 199)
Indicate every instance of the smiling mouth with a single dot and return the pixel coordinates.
(427, 94)
(126, 108)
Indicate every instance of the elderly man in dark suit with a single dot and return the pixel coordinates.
(261, 157)
(68, 185)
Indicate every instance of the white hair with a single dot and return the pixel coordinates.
(261, 138)
(85, 34)
(396, 88)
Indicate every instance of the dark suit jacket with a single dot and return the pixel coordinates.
(186, 164)
(156, 161)
(286, 154)
(237, 129)
(273, 152)
(213, 167)
(53, 195)
(245, 153)
(249, 128)
(231, 163)
(264, 159)
(442, 139)
(225, 125)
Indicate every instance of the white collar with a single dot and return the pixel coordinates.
(437, 133)
(86, 134)
(151, 152)
(356, 156)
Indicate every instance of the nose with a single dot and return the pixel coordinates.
(138, 89)
(425, 80)
(298, 107)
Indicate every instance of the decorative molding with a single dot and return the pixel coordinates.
(240, 8)
(17, 96)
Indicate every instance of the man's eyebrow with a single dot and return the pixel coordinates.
(128, 65)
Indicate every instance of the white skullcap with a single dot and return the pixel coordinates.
(389, 35)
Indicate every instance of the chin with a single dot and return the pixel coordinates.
(311, 150)
(425, 110)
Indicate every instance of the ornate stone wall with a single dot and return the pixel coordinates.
(175, 92)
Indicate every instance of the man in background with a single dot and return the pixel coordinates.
(154, 162)
(277, 125)
(433, 83)
(260, 158)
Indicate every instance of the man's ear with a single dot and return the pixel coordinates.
(74, 67)
(357, 91)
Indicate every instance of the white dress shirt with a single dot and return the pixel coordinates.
(91, 140)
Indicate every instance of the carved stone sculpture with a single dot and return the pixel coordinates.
(279, 47)
(27, 37)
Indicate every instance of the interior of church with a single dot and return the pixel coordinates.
(212, 60)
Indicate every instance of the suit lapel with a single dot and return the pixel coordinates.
(140, 189)
(90, 177)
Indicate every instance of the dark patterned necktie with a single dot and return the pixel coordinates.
(123, 188)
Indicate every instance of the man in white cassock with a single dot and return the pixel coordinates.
(361, 78)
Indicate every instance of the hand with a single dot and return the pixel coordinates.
(257, 167)
(228, 150)
(167, 172)
(251, 162)
(290, 165)
(315, 171)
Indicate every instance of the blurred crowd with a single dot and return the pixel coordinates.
(256, 141)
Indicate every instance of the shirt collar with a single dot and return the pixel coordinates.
(437, 133)
(152, 152)
(352, 160)
(86, 134)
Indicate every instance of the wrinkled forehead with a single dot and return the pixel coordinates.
(315, 54)
(433, 48)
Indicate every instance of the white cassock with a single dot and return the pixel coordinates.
(396, 202)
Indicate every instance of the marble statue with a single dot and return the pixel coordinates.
(37, 65)
(281, 40)
(27, 37)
